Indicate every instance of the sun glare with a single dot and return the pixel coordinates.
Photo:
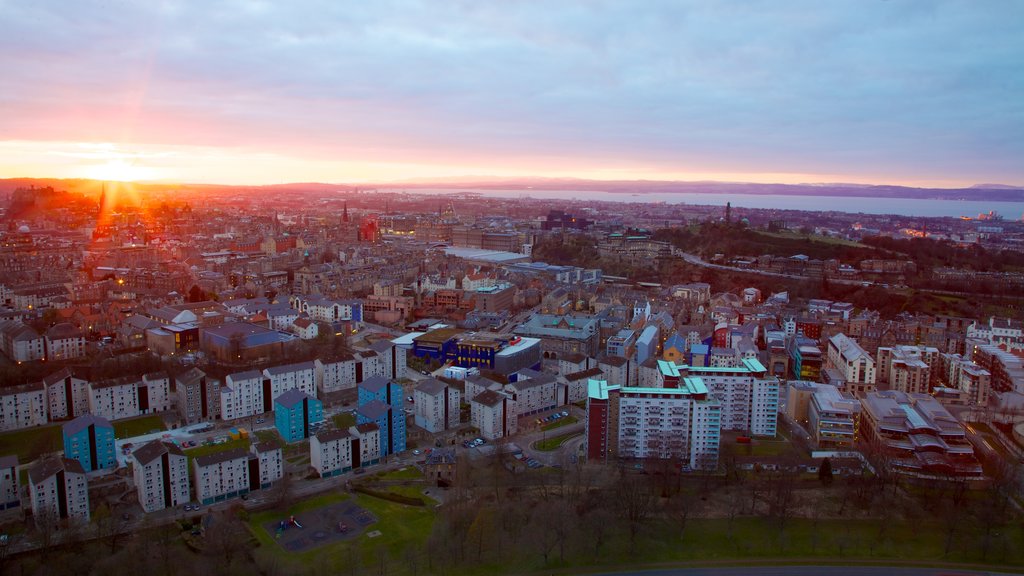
(119, 171)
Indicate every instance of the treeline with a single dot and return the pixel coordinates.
(929, 253)
(733, 240)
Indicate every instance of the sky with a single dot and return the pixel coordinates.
(914, 92)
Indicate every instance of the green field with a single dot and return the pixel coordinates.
(549, 444)
(344, 420)
(138, 426)
(407, 473)
(28, 444)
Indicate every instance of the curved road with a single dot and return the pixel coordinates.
(809, 571)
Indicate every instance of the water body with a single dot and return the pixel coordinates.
(900, 206)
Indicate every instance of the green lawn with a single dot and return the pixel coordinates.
(560, 422)
(138, 426)
(29, 443)
(549, 444)
(344, 420)
(407, 473)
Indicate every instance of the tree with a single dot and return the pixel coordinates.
(825, 472)
(635, 501)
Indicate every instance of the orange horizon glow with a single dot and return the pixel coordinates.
(237, 166)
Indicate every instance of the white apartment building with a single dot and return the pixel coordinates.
(20, 343)
(494, 414)
(338, 373)
(114, 399)
(270, 457)
(853, 362)
(221, 476)
(330, 453)
(284, 378)
(59, 490)
(241, 395)
(436, 405)
(968, 377)
(161, 477)
(64, 342)
(10, 490)
(154, 393)
(368, 437)
(533, 392)
(67, 394)
(23, 406)
(683, 423)
(747, 395)
(908, 368)
(618, 371)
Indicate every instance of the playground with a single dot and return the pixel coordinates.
(325, 525)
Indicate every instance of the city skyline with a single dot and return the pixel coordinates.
(247, 93)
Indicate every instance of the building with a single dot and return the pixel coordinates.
(441, 467)
(221, 476)
(330, 452)
(805, 358)
(20, 343)
(494, 298)
(266, 464)
(161, 476)
(910, 369)
(198, 396)
(856, 365)
(436, 406)
(23, 406)
(1006, 369)
(602, 424)
(748, 397)
(59, 491)
(67, 393)
(918, 435)
(366, 445)
(381, 402)
(64, 342)
(295, 412)
(563, 334)
(973, 381)
(493, 414)
(623, 343)
(90, 440)
(242, 395)
(533, 392)
(10, 489)
(680, 423)
(832, 418)
(299, 376)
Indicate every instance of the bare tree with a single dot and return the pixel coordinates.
(634, 501)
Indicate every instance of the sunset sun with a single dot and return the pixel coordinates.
(119, 171)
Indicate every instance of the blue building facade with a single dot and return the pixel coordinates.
(381, 402)
(294, 413)
(89, 439)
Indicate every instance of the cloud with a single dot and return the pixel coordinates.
(890, 89)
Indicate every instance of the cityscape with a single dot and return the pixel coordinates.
(512, 289)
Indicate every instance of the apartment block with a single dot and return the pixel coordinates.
(161, 477)
(381, 401)
(330, 452)
(64, 342)
(300, 376)
(241, 395)
(911, 369)
(23, 406)
(198, 396)
(969, 378)
(20, 343)
(59, 491)
(337, 373)
(366, 444)
(681, 423)
(266, 464)
(67, 394)
(853, 362)
(833, 418)
(154, 393)
(494, 414)
(436, 406)
(10, 489)
(115, 398)
(294, 414)
(221, 476)
(89, 439)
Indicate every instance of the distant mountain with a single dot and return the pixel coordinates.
(997, 187)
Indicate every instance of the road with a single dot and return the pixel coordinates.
(560, 455)
(808, 571)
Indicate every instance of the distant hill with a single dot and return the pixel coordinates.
(982, 192)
